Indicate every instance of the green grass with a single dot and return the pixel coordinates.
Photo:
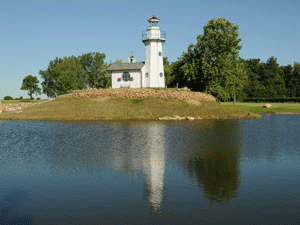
(21, 101)
(258, 107)
(123, 108)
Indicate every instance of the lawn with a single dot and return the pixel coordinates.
(124, 108)
(258, 107)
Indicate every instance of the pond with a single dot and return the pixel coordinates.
(158, 172)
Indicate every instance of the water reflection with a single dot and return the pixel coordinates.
(215, 163)
(143, 150)
(101, 171)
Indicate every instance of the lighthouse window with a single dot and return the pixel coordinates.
(159, 53)
(161, 74)
(126, 76)
(147, 74)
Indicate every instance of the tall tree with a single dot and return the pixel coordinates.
(168, 72)
(30, 84)
(272, 80)
(213, 63)
(93, 64)
(50, 75)
(72, 76)
(289, 80)
(221, 66)
(254, 86)
(296, 79)
(73, 73)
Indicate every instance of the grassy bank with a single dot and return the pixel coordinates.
(258, 107)
(21, 101)
(124, 108)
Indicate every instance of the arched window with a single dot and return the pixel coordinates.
(126, 76)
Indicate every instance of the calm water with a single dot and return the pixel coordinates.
(186, 172)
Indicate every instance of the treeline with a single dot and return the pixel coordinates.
(75, 73)
(213, 65)
(265, 81)
(7, 97)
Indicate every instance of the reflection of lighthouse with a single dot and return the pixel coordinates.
(142, 148)
(154, 165)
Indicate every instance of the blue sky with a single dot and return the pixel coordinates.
(34, 32)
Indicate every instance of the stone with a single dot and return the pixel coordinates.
(267, 106)
(189, 118)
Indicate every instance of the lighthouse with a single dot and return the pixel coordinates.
(154, 39)
(143, 74)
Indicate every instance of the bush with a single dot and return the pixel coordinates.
(8, 98)
(38, 98)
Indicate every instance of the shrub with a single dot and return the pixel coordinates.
(8, 98)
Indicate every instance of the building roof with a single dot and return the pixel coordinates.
(126, 66)
(153, 18)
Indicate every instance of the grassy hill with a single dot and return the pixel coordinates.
(111, 104)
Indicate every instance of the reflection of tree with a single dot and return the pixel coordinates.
(217, 174)
(215, 164)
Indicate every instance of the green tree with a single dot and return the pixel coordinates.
(50, 75)
(93, 64)
(168, 72)
(8, 98)
(272, 80)
(290, 84)
(254, 87)
(221, 64)
(213, 64)
(296, 79)
(72, 75)
(30, 84)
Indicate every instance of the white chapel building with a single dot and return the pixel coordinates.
(143, 74)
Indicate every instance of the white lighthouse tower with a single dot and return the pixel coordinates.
(154, 39)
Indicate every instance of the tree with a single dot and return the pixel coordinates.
(213, 64)
(272, 80)
(254, 86)
(221, 65)
(8, 98)
(168, 72)
(296, 78)
(50, 76)
(30, 84)
(74, 73)
(93, 64)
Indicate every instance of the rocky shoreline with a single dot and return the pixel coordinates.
(180, 94)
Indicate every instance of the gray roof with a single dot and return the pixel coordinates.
(126, 66)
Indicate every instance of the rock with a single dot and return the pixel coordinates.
(267, 106)
(175, 117)
(189, 118)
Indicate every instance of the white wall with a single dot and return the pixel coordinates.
(136, 83)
